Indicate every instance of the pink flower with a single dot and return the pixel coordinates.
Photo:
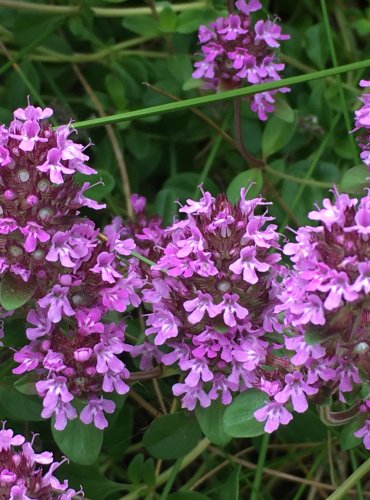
(94, 411)
(274, 414)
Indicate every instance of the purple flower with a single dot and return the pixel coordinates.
(105, 268)
(211, 319)
(21, 476)
(274, 414)
(94, 411)
(33, 232)
(54, 167)
(364, 433)
(57, 303)
(296, 389)
(234, 52)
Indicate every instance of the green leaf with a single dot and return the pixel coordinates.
(211, 422)
(186, 183)
(96, 486)
(142, 25)
(244, 179)
(19, 406)
(313, 335)
(314, 429)
(187, 495)
(167, 20)
(347, 438)
(229, 490)
(276, 135)
(27, 384)
(135, 468)
(138, 143)
(238, 418)
(354, 180)
(189, 21)
(149, 472)
(165, 204)
(317, 45)
(284, 111)
(116, 92)
(100, 191)
(172, 436)
(14, 292)
(79, 442)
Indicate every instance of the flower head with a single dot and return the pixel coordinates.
(236, 53)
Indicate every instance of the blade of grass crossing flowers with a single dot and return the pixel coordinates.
(222, 96)
(334, 59)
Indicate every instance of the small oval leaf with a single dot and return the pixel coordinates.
(211, 422)
(238, 418)
(276, 135)
(244, 179)
(79, 442)
(14, 292)
(172, 436)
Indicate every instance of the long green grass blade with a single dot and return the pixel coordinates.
(222, 96)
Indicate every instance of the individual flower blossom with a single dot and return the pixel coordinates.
(362, 123)
(210, 293)
(23, 473)
(273, 414)
(235, 52)
(325, 299)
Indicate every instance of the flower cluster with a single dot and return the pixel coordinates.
(235, 53)
(76, 278)
(326, 300)
(22, 471)
(213, 305)
(362, 122)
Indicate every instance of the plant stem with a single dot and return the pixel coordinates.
(171, 479)
(352, 480)
(98, 11)
(162, 478)
(360, 495)
(222, 96)
(334, 59)
(252, 160)
(298, 180)
(260, 464)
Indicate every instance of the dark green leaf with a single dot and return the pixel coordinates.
(96, 486)
(355, 180)
(229, 490)
(14, 292)
(19, 406)
(276, 135)
(211, 422)
(79, 442)
(167, 20)
(99, 192)
(187, 495)
(135, 468)
(165, 204)
(347, 438)
(142, 25)
(190, 20)
(238, 418)
(172, 436)
(313, 335)
(244, 179)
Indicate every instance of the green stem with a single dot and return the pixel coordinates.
(260, 465)
(315, 161)
(298, 180)
(351, 481)
(334, 59)
(360, 495)
(144, 259)
(212, 155)
(222, 96)
(98, 11)
(171, 479)
(165, 476)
